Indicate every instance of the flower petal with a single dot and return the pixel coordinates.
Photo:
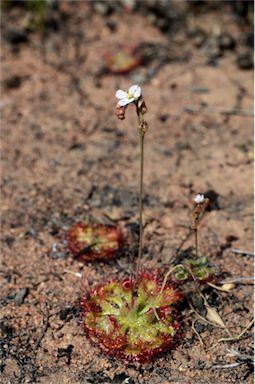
(125, 101)
(199, 199)
(120, 94)
(135, 90)
(130, 100)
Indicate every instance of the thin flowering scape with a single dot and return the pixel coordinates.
(200, 204)
(134, 93)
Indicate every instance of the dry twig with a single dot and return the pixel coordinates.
(235, 338)
(240, 252)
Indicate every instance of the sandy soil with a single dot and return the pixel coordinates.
(67, 157)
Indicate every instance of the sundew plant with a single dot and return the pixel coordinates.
(135, 318)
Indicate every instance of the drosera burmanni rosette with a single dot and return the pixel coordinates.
(200, 269)
(122, 61)
(94, 242)
(136, 327)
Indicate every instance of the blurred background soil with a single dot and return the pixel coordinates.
(66, 157)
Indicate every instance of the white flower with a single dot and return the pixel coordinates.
(199, 199)
(134, 92)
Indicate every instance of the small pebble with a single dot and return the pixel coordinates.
(20, 296)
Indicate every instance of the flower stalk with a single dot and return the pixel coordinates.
(142, 130)
(200, 203)
(134, 95)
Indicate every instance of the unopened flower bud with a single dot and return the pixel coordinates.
(143, 108)
(120, 112)
(144, 126)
